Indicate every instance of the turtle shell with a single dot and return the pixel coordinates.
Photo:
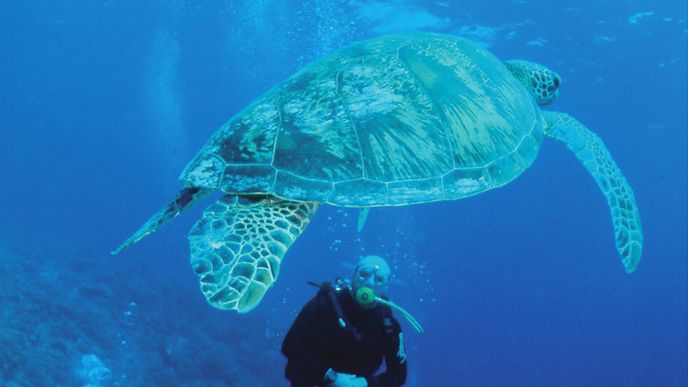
(396, 120)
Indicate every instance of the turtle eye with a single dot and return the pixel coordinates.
(556, 82)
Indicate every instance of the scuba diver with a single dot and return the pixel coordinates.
(341, 335)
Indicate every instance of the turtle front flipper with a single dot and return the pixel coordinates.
(238, 245)
(185, 199)
(590, 150)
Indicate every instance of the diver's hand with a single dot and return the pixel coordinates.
(348, 380)
(342, 380)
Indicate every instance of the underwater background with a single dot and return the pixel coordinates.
(102, 104)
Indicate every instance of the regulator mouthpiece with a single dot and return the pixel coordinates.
(366, 296)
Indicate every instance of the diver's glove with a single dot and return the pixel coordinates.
(359, 382)
(340, 379)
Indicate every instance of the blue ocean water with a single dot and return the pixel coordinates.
(104, 102)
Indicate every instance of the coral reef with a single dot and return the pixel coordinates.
(72, 318)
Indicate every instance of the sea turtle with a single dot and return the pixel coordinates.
(396, 120)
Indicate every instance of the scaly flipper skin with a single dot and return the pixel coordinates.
(594, 155)
(185, 199)
(237, 248)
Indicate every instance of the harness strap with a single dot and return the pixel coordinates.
(342, 321)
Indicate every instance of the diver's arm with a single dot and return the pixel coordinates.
(304, 366)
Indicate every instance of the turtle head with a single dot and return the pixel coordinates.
(541, 82)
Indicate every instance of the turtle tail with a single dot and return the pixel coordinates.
(185, 199)
(590, 150)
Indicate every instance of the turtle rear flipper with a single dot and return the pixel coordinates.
(590, 150)
(362, 217)
(237, 248)
(185, 199)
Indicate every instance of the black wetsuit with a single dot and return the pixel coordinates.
(317, 342)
